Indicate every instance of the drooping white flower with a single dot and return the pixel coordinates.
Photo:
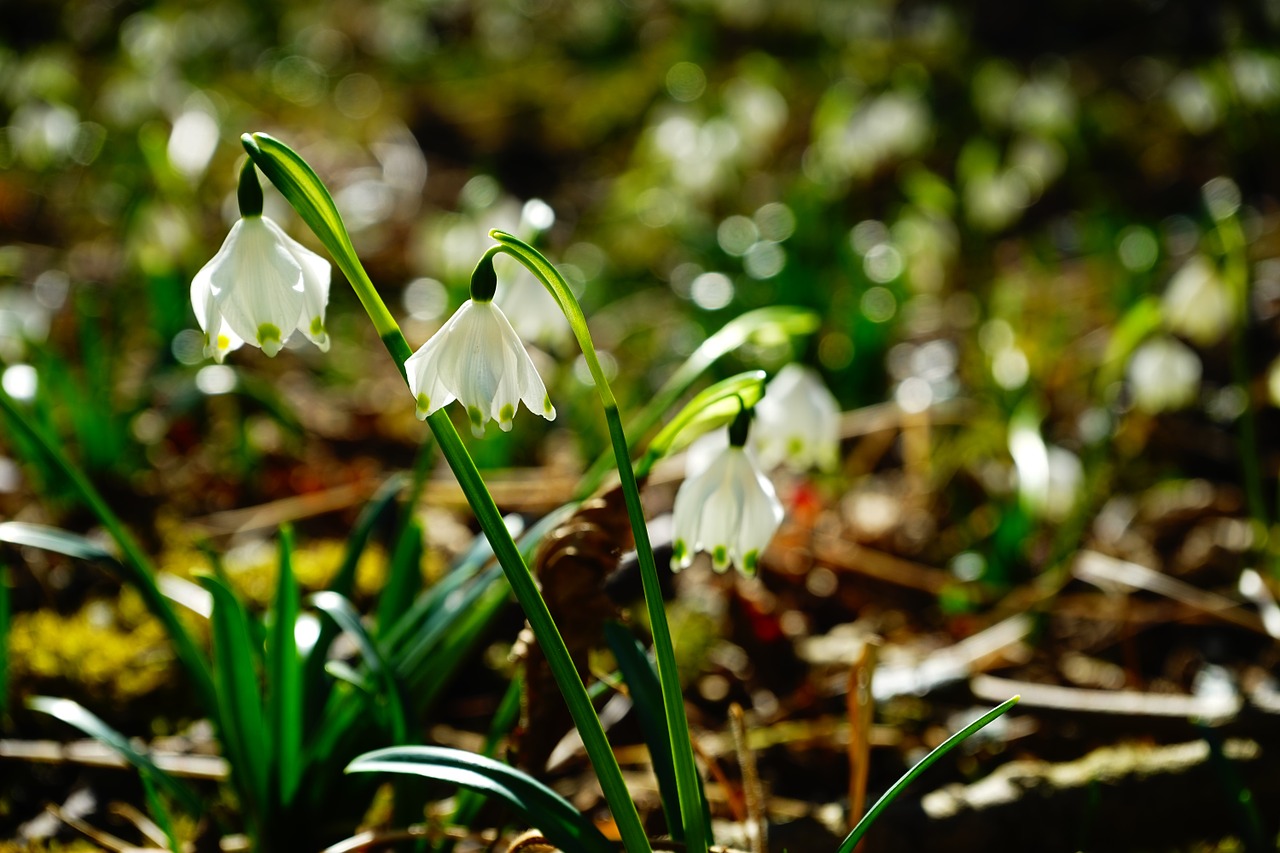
(797, 422)
(477, 358)
(729, 510)
(1197, 303)
(1164, 374)
(260, 287)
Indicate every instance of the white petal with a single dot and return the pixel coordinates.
(425, 379)
(316, 273)
(258, 286)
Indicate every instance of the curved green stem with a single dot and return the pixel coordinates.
(688, 789)
(304, 190)
(851, 841)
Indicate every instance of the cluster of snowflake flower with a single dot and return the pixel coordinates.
(262, 286)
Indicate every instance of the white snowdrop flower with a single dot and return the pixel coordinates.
(729, 510)
(1197, 303)
(1164, 374)
(478, 359)
(260, 287)
(797, 422)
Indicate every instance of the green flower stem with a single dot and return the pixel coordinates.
(306, 192)
(689, 791)
(851, 841)
(183, 645)
(687, 788)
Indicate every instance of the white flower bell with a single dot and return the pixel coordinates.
(797, 422)
(478, 359)
(729, 510)
(1164, 374)
(261, 286)
(1197, 303)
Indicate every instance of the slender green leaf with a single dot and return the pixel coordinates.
(244, 730)
(851, 840)
(159, 812)
(284, 678)
(552, 814)
(77, 716)
(646, 696)
(343, 613)
(404, 576)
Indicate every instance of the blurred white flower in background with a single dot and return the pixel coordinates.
(797, 422)
(1197, 303)
(1164, 374)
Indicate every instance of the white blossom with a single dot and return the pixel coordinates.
(477, 359)
(797, 422)
(729, 510)
(1164, 374)
(260, 287)
(1197, 303)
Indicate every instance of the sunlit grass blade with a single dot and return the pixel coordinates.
(382, 503)
(552, 814)
(244, 730)
(284, 678)
(136, 571)
(81, 718)
(851, 841)
(646, 697)
(345, 615)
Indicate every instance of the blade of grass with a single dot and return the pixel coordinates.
(851, 840)
(557, 819)
(344, 614)
(646, 696)
(79, 717)
(284, 678)
(244, 730)
(404, 576)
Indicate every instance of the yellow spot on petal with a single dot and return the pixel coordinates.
(223, 342)
(506, 414)
(317, 327)
(424, 406)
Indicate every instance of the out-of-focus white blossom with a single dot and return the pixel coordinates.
(260, 287)
(1164, 374)
(1197, 303)
(797, 422)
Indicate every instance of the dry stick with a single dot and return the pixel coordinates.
(752, 791)
(861, 707)
(717, 773)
